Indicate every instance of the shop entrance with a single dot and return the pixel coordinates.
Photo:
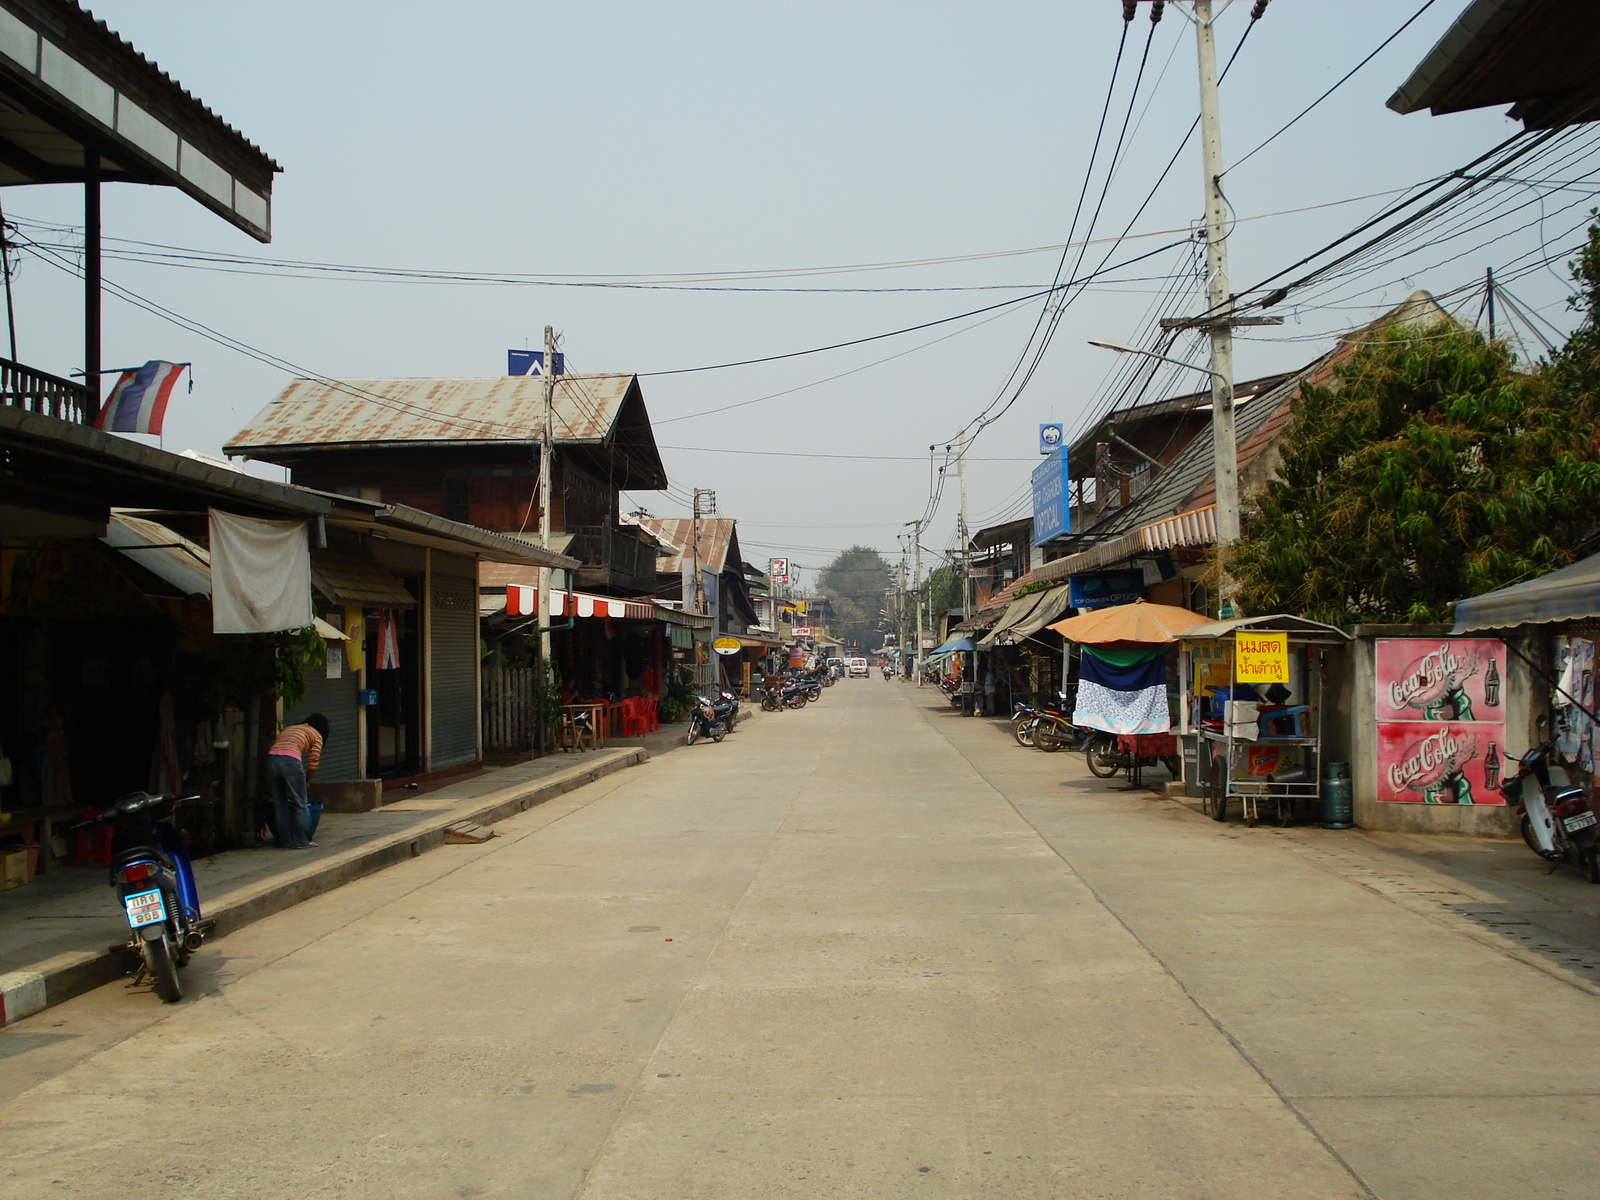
(394, 724)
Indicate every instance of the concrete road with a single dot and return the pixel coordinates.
(867, 949)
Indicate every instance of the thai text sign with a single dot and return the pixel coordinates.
(1441, 724)
(1052, 514)
(1262, 657)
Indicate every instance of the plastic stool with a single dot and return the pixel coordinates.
(93, 847)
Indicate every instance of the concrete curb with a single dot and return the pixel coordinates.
(54, 980)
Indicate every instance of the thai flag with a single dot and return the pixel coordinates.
(138, 404)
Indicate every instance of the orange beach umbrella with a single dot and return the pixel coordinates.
(1136, 622)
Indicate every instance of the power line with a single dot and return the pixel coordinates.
(1342, 81)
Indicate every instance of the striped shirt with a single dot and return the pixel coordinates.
(302, 742)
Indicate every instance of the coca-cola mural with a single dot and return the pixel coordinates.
(1441, 724)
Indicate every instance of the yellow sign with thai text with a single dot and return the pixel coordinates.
(1262, 657)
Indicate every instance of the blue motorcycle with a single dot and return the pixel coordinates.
(154, 880)
(712, 720)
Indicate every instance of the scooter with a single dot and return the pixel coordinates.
(707, 721)
(888, 672)
(728, 703)
(154, 880)
(1557, 821)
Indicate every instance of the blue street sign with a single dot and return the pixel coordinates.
(1050, 438)
(531, 362)
(1052, 509)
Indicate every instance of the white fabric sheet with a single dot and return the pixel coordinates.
(1099, 707)
(260, 574)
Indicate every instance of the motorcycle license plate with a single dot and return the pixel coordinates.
(145, 908)
(1581, 821)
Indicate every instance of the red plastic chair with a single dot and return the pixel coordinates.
(93, 848)
(634, 722)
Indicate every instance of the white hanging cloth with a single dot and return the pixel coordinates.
(260, 574)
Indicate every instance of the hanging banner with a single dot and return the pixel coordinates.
(1441, 724)
(1263, 657)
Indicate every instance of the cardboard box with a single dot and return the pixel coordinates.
(16, 868)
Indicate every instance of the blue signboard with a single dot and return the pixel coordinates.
(1102, 589)
(1052, 511)
(1050, 438)
(531, 362)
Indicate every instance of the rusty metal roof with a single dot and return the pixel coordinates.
(716, 534)
(325, 413)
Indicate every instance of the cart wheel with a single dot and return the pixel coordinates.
(1215, 801)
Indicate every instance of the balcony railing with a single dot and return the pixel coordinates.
(617, 550)
(40, 392)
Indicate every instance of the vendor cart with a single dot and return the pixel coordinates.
(1253, 701)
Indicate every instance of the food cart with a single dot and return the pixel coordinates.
(1251, 712)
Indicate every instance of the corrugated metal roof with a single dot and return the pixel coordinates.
(1187, 482)
(716, 534)
(350, 574)
(349, 412)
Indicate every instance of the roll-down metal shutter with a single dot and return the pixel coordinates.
(453, 641)
(337, 700)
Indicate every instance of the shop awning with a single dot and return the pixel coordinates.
(1050, 607)
(1300, 627)
(1016, 611)
(1195, 528)
(954, 644)
(676, 616)
(523, 601)
(174, 559)
(350, 574)
(1570, 594)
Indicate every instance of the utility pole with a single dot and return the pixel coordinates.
(916, 579)
(1219, 307)
(546, 478)
(966, 566)
(1488, 288)
(710, 499)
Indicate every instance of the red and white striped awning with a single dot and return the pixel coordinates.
(523, 601)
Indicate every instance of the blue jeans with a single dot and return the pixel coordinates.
(286, 779)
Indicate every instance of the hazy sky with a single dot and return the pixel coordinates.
(639, 139)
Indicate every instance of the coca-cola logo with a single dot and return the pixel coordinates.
(1428, 680)
(1436, 757)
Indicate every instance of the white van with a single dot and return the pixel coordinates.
(858, 666)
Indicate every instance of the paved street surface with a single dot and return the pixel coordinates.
(867, 949)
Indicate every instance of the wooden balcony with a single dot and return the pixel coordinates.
(614, 558)
(40, 392)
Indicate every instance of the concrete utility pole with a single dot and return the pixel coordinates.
(710, 499)
(546, 478)
(1219, 307)
(965, 532)
(916, 579)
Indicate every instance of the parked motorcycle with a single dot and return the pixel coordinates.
(771, 698)
(1052, 729)
(1105, 759)
(1557, 820)
(707, 720)
(729, 701)
(154, 881)
(1022, 719)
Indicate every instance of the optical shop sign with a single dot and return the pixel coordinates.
(1441, 726)
(1261, 657)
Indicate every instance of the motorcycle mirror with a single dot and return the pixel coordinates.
(1541, 722)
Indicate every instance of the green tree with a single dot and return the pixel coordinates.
(1430, 470)
(857, 584)
(941, 591)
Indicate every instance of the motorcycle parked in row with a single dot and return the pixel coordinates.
(1558, 823)
(712, 720)
(154, 881)
(1104, 759)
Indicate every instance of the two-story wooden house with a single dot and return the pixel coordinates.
(468, 449)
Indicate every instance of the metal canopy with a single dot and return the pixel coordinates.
(80, 105)
(1570, 594)
(1276, 623)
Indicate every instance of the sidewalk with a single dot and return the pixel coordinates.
(56, 933)
(1497, 892)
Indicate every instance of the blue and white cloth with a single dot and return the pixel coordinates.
(1123, 698)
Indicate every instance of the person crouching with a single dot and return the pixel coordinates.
(292, 762)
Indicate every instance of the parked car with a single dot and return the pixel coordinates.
(858, 666)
